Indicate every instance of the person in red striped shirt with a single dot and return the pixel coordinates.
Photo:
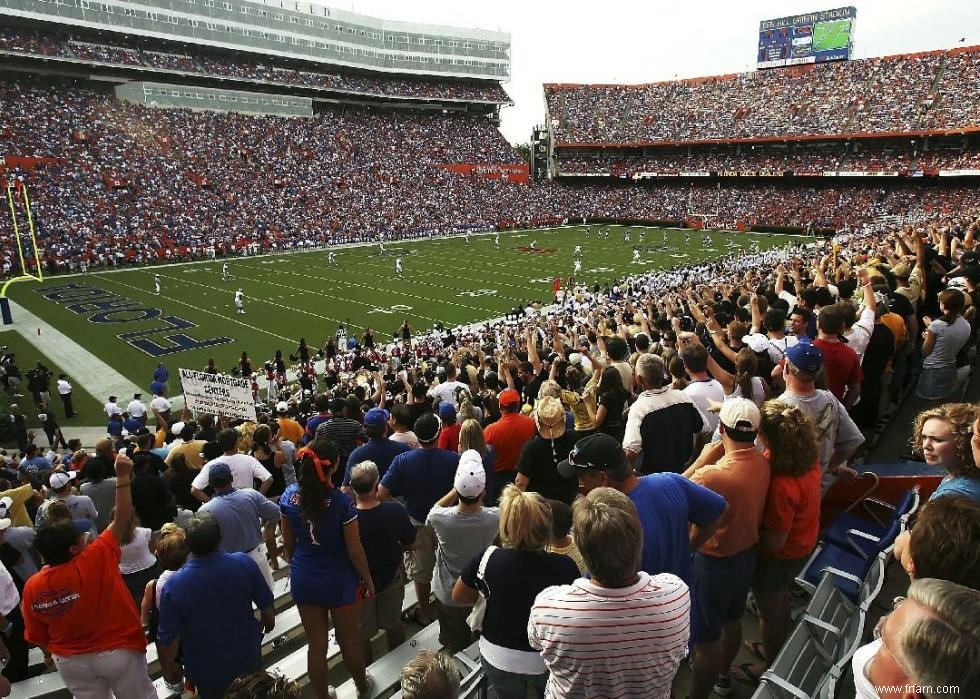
(622, 633)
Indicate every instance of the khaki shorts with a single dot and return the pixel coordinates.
(384, 610)
(420, 561)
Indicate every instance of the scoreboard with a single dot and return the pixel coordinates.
(813, 37)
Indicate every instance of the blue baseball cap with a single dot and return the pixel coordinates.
(805, 356)
(447, 413)
(219, 473)
(376, 417)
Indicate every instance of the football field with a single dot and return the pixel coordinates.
(117, 316)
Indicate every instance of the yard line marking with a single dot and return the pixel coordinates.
(198, 308)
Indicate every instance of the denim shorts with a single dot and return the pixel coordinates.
(936, 382)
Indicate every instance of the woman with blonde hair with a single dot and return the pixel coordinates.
(471, 437)
(790, 525)
(944, 435)
(510, 578)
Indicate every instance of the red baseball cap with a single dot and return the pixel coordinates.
(509, 397)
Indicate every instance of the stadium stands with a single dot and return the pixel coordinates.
(891, 95)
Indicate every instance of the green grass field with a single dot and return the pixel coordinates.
(297, 295)
(828, 36)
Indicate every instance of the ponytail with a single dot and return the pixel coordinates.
(316, 463)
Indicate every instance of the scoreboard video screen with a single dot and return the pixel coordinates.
(813, 37)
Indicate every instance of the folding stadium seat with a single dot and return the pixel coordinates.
(848, 568)
(849, 530)
(799, 670)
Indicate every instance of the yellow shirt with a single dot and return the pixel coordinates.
(17, 512)
(191, 451)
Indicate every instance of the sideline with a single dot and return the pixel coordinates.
(86, 370)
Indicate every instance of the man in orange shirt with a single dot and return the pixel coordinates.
(508, 435)
(78, 610)
(288, 427)
(725, 564)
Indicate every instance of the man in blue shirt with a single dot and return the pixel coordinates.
(421, 477)
(379, 448)
(238, 513)
(206, 607)
(160, 376)
(666, 502)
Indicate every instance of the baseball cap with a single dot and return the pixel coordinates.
(82, 526)
(4, 523)
(805, 356)
(219, 473)
(509, 397)
(757, 342)
(447, 413)
(59, 479)
(376, 417)
(282, 407)
(5, 505)
(137, 395)
(177, 428)
(740, 414)
(597, 452)
(471, 478)
(427, 427)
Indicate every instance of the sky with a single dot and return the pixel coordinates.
(619, 41)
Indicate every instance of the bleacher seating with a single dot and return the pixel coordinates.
(894, 94)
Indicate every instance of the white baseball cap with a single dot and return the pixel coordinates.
(59, 479)
(740, 414)
(282, 407)
(471, 478)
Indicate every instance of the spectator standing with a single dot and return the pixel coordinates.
(421, 477)
(724, 564)
(401, 422)
(186, 445)
(703, 389)
(837, 435)
(675, 514)
(386, 533)
(64, 392)
(611, 400)
(137, 564)
(840, 362)
(80, 506)
(206, 608)
(328, 564)
(512, 577)
(152, 499)
(378, 449)
(790, 525)
(102, 492)
(11, 619)
(289, 428)
(537, 469)
(245, 469)
(663, 422)
(78, 610)
(344, 431)
(240, 514)
(462, 532)
(507, 436)
(622, 633)
(561, 534)
(942, 340)
(449, 435)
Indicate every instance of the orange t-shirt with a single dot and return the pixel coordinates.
(742, 478)
(508, 435)
(83, 606)
(793, 507)
(290, 429)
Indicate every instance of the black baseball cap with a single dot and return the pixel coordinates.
(597, 452)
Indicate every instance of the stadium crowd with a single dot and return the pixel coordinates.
(608, 430)
(120, 52)
(135, 184)
(831, 157)
(894, 94)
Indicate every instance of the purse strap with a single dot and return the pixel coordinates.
(481, 571)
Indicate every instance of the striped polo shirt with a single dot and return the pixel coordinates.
(601, 643)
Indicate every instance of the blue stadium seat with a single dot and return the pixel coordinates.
(849, 570)
(858, 533)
